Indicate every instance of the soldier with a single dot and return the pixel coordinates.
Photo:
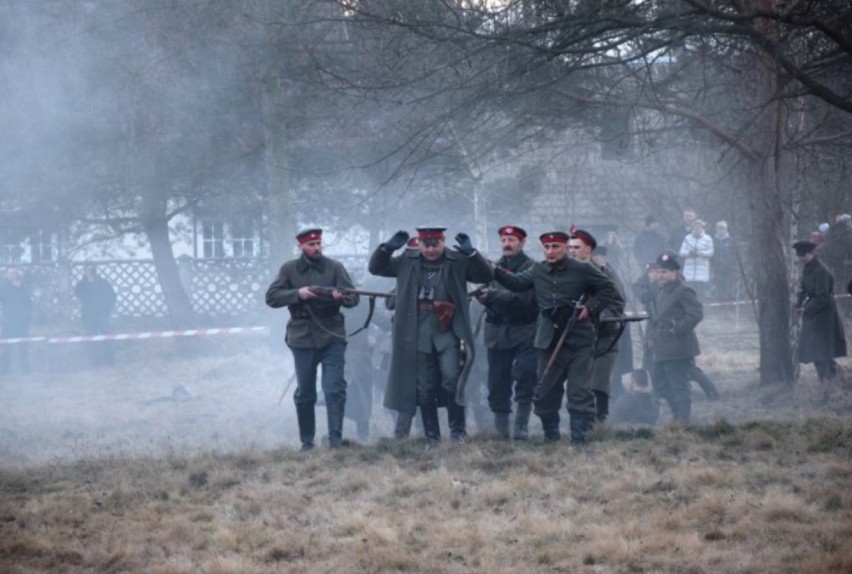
(623, 347)
(822, 338)
(509, 333)
(316, 333)
(568, 293)
(430, 321)
(580, 247)
(673, 340)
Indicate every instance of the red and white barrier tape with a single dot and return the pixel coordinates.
(137, 336)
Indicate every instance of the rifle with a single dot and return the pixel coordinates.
(624, 320)
(542, 390)
(328, 291)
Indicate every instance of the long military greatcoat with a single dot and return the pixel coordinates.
(401, 392)
(822, 337)
(678, 312)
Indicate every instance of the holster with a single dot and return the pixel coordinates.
(444, 311)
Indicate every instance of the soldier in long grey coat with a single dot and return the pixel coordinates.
(672, 338)
(431, 321)
(316, 333)
(822, 338)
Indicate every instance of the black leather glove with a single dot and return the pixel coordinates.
(398, 240)
(463, 244)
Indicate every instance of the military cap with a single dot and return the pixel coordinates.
(668, 260)
(554, 237)
(430, 232)
(585, 237)
(804, 247)
(307, 235)
(518, 232)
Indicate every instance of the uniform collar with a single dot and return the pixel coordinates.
(514, 263)
(304, 264)
(560, 265)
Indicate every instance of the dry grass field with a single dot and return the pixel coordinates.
(112, 470)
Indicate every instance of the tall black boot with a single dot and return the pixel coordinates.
(501, 424)
(402, 429)
(458, 424)
(335, 408)
(681, 411)
(601, 406)
(307, 426)
(550, 426)
(522, 419)
(431, 425)
(580, 424)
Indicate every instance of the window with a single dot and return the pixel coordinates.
(212, 238)
(10, 248)
(243, 239)
(41, 247)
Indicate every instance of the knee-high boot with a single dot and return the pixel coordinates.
(580, 424)
(307, 425)
(458, 424)
(402, 429)
(550, 426)
(431, 425)
(522, 419)
(334, 410)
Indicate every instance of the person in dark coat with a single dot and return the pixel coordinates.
(581, 245)
(564, 287)
(673, 340)
(16, 310)
(316, 333)
(822, 337)
(431, 323)
(509, 332)
(649, 242)
(97, 300)
(724, 264)
(624, 344)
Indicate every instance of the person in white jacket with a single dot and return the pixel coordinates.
(696, 251)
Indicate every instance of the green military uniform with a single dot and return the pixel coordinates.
(416, 333)
(558, 287)
(607, 349)
(316, 335)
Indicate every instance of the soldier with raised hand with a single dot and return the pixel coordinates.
(509, 333)
(316, 333)
(431, 321)
(568, 293)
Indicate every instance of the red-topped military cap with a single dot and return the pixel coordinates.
(554, 237)
(313, 234)
(430, 232)
(585, 237)
(518, 232)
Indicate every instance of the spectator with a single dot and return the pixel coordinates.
(615, 250)
(724, 263)
(649, 242)
(97, 300)
(16, 305)
(696, 250)
(678, 233)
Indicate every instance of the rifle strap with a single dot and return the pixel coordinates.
(366, 324)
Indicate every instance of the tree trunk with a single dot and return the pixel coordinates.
(181, 314)
(769, 266)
